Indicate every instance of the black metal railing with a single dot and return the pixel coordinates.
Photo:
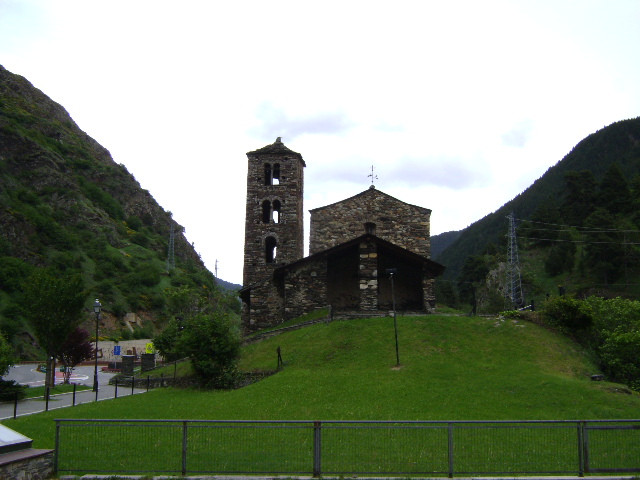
(447, 448)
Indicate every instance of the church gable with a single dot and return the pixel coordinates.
(373, 212)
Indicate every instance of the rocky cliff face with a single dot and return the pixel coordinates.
(44, 153)
(65, 204)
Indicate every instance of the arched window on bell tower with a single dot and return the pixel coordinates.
(276, 211)
(270, 249)
(266, 211)
(267, 174)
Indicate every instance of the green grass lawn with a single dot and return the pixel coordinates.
(33, 392)
(452, 368)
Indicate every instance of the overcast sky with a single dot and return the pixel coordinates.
(458, 105)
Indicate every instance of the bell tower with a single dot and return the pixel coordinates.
(274, 223)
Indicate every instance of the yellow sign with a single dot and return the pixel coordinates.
(149, 348)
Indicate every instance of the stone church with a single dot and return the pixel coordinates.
(352, 245)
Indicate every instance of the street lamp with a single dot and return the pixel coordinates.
(392, 272)
(96, 309)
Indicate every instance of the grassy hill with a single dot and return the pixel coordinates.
(452, 368)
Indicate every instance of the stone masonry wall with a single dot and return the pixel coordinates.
(266, 308)
(273, 223)
(428, 293)
(289, 230)
(400, 223)
(31, 464)
(368, 276)
(306, 288)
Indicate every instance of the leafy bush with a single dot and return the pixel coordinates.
(619, 356)
(567, 314)
(140, 238)
(9, 389)
(101, 198)
(134, 223)
(147, 275)
(611, 328)
(213, 344)
(13, 271)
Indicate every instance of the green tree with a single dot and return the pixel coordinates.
(474, 271)
(212, 341)
(604, 251)
(6, 355)
(166, 343)
(561, 255)
(580, 196)
(614, 193)
(53, 306)
(543, 228)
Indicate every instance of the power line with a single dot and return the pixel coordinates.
(582, 241)
(590, 229)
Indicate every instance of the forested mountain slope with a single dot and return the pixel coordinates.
(65, 204)
(617, 144)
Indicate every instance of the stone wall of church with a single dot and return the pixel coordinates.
(305, 288)
(372, 211)
(265, 307)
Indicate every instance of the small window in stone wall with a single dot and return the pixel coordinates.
(370, 228)
(267, 174)
(276, 211)
(271, 247)
(266, 211)
(275, 179)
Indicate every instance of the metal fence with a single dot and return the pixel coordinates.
(447, 448)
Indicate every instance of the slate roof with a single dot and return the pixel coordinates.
(403, 252)
(372, 191)
(277, 148)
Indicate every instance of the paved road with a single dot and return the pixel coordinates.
(28, 375)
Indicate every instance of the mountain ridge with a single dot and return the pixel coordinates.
(618, 142)
(67, 205)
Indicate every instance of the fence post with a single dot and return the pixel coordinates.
(450, 448)
(133, 382)
(585, 447)
(46, 398)
(184, 448)
(317, 449)
(15, 405)
(148, 376)
(73, 402)
(116, 385)
(580, 429)
(57, 449)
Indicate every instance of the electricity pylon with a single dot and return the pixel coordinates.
(514, 282)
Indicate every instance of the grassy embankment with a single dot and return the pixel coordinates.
(452, 368)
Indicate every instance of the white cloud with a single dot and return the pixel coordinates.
(274, 122)
(458, 105)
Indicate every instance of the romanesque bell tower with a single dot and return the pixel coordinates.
(273, 223)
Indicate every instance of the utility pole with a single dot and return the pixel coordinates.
(513, 281)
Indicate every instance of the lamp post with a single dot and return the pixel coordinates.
(392, 272)
(96, 309)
